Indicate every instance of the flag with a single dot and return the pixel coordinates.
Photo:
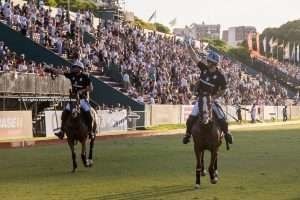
(281, 45)
(298, 55)
(152, 16)
(271, 46)
(287, 51)
(275, 43)
(271, 42)
(265, 44)
(257, 43)
(250, 42)
(173, 22)
(294, 52)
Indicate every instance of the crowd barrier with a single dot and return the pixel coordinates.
(18, 124)
(178, 114)
(114, 121)
(15, 125)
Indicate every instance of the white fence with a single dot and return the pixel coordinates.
(177, 114)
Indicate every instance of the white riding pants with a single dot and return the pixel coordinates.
(216, 109)
(84, 105)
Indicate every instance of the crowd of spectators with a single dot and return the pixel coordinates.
(54, 30)
(288, 68)
(11, 62)
(155, 68)
(246, 89)
(285, 73)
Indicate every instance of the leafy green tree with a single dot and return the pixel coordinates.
(75, 5)
(155, 27)
(161, 28)
(52, 3)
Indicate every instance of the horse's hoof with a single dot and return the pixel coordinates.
(214, 180)
(90, 163)
(86, 163)
(204, 173)
(216, 173)
(197, 186)
(74, 170)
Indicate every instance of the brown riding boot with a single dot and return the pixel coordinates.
(189, 125)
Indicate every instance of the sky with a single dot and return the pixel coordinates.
(258, 13)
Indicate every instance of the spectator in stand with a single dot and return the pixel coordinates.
(239, 114)
(126, 81)
(284, 112)
(253, 113)
(11, 62)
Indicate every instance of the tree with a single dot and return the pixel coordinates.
(155, 27)
(75, 5)
(287, 32)
(162, 28)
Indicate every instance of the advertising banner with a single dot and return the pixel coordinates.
(15, 125)
(106, 121)
(111, 120)
(52, 122)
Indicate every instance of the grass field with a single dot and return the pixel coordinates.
(263, 164)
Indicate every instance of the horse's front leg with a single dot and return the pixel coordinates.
(198, 154)
(212, 170)
(72, 147)
(203, 171)
(216, 167)
(91, 151)
(83, 153)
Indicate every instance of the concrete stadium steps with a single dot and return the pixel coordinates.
(108, 80)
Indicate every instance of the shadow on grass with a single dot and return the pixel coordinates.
(153, 192)
(296, 198)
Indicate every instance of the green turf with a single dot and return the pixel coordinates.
(166, 127)
(261, 165)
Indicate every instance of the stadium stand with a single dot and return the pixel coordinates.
(153, 68)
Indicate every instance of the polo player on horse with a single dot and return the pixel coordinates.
(81, 86)
(212, 82)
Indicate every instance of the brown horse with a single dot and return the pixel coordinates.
(206, 136)
(77, 130)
